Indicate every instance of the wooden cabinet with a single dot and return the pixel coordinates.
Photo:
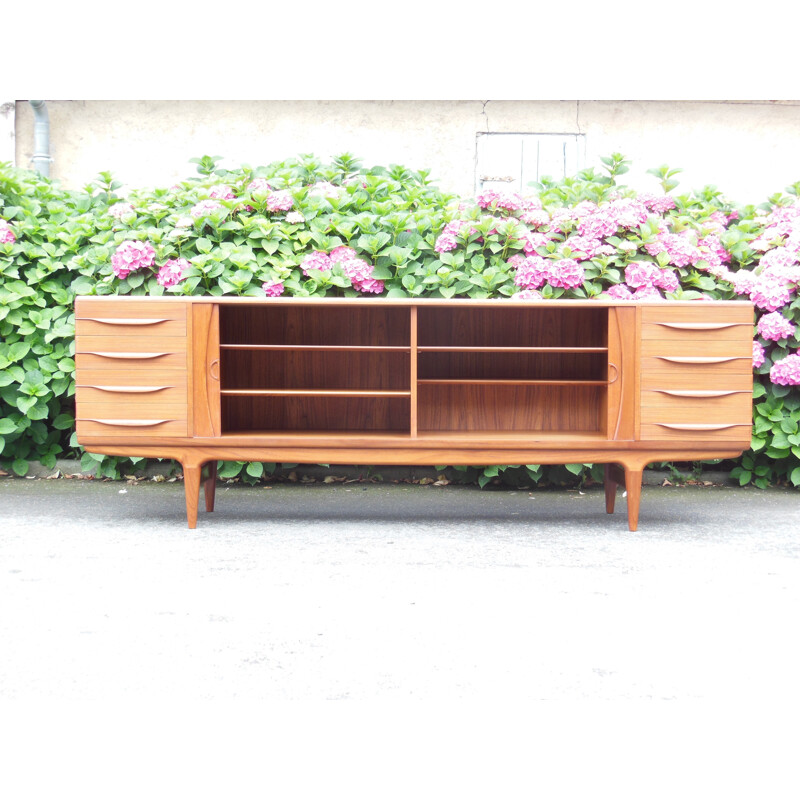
(413, 382)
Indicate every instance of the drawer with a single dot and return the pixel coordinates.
(139, 361)
(700, 313)
(708, 346)
(122, 376)
(127, 308)
(697, 431)
(114, 427)
(124, 395)
(135, 411)
(701, 379)
(130, 327)
(697, 406)
(120, 344)
(698, 365)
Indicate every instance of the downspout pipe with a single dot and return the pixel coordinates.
(41, 138)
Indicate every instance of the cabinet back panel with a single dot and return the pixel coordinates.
(314, 325)
(463, 407)
(506, 326)
(304, 369)
(247, 414)
(510, 366)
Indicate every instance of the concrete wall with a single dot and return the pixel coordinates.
(749, 150)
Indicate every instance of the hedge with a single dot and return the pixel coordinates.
(300, 227)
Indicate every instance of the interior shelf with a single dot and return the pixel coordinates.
(509, 382)
(460, 349)
(317, 347)
(312, 393)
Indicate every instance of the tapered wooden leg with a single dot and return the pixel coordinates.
(191, 487)
(633, 486)
(210, 485)
(610, 486)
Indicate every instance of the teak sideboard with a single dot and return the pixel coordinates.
(413, 382)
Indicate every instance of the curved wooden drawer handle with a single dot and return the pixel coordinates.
(699, 326)
(118, 321)
(697, 426)
(211, 366)
(122, 355)
(125, 389)
(130, 423)
(700, 392)
(700, 359)
(616, 372)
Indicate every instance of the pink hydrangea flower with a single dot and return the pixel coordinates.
(536, 218)
(171, 272)
(743, 281)
(778, 257)
(584, 247)
(445, 242)
(566, 273)
(667, 280)
(511, 201)
(527, 294)
(774, 326)
(258, 185)
(119, 210)
(370, 285)
(6, 234)
(619, 291)
(316, 260)
(598, 224)
(339, 254)
(681, 249)
(131, 256)
(647, 293)
(204, 208)
(280, 201)
(628, 212)
(533, 241)
(515, 260)
(786, 372)
(532, 272)
(222, 192)
(658, 203)
(758, 354)
(770, 293)
(712, 251)
(272, 288)
(295, 218)
(641, 273)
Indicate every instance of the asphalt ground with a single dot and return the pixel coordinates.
(406, 595)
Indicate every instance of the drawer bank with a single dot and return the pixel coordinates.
(413, 382)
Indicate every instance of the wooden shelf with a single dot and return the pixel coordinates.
(509, 382)
(460, 349)
(313, 393)
(319, 347)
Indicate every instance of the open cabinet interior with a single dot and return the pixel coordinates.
(413, 369)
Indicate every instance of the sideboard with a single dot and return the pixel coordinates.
(413, 382)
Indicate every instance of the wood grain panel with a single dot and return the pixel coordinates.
(125, 326)
(469, 407)
(131, 307)
(353, 324)
(145, 361)
(113, 428)
(128, 395)
(126, 410)
(137, 342)
(670, 365)
(314, 413)
(205, 371)
(685, 433)
(131, 377)
(699, 378)
(514, 366)
(689, 312)
(660, 407)
(314, 369)
(713, 331)
(708, 346)
(510, 326)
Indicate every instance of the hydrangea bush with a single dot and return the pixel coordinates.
(301, 228)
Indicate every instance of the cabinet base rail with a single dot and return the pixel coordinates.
(622, 468)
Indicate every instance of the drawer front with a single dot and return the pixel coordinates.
(134, 361)
(694, 366)
(711, 406)
(696, 431)
(128, 308)
(143, 343)
(114, 427)
(740, 347)
(130, 395)
(119, 375)
(127, 326)
(698, 316)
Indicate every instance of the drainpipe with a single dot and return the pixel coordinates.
(41, 138)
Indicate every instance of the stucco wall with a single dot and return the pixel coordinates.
(747, 149)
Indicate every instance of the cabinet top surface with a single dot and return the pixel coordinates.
(416, 301)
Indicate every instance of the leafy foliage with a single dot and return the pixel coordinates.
(279, 228)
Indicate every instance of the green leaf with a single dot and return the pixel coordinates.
(20, 466)
(794, 476)
(575, 469)
(255, 469)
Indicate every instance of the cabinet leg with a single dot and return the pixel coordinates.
(610, 486)
(191, 487)
(210, 485)
(633, 486)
